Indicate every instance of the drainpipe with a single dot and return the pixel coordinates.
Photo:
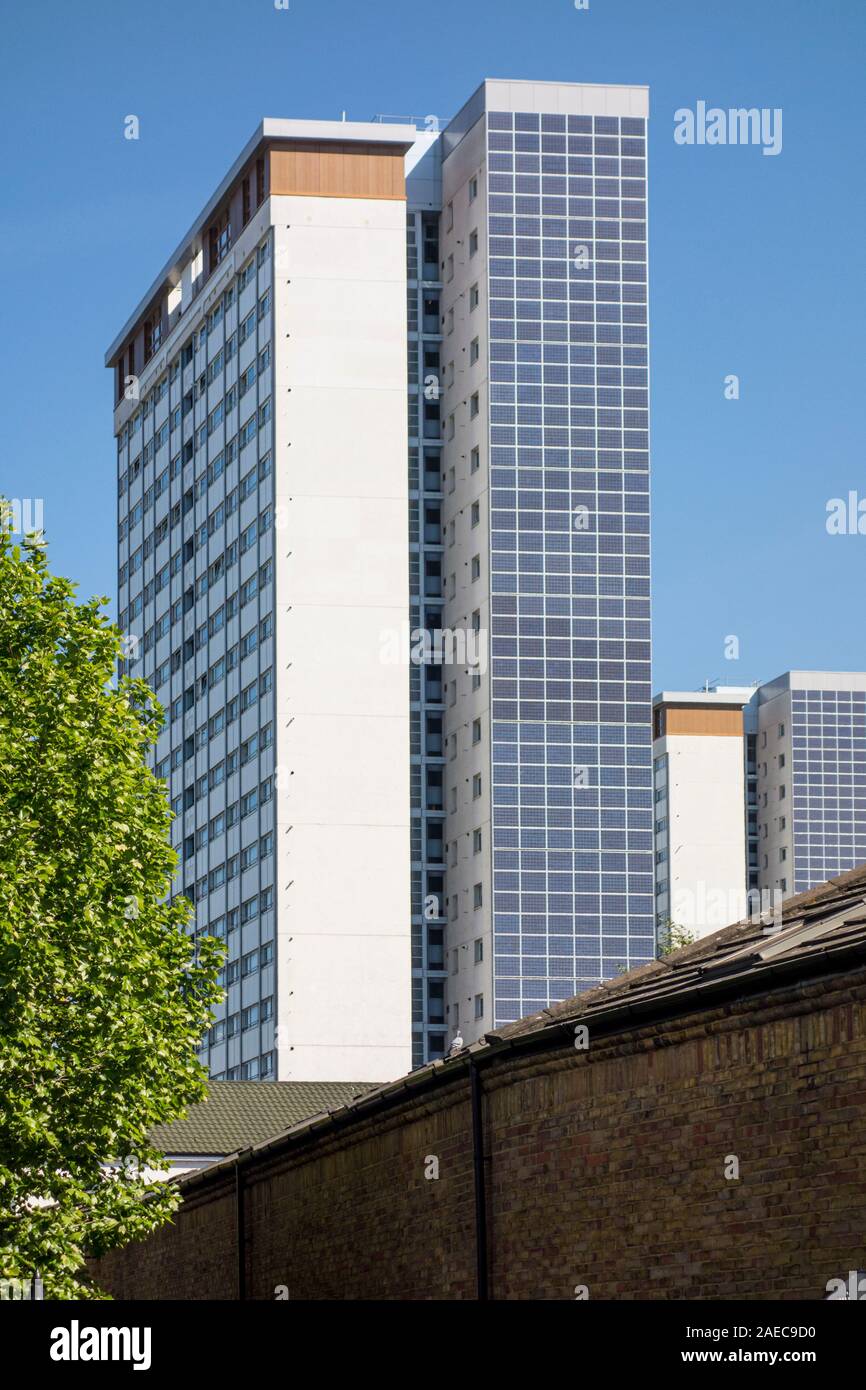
(476, 1096)
(240, 1233)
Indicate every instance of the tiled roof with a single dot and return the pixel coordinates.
(237, 1114)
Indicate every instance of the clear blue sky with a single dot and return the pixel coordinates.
(756, 263)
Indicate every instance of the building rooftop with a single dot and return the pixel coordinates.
(239, 1113)
(271, 129)
(716, 695)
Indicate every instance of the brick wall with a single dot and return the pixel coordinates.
(605, 1168)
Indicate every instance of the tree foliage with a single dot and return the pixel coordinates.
(672, 936)
(103, 997)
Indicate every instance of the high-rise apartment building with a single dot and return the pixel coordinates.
(811, 777)
(756, 788)
(546, 526)
(261, 423)
(396, 848)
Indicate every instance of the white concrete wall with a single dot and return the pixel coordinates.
(343, 812)
(706, 836)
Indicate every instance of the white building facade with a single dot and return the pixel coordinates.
(261, 421)
(702, 777)
(758, 790)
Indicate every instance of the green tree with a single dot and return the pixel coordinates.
(671, 936)
(103, 997)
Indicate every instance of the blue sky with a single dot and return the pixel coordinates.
(756, 263)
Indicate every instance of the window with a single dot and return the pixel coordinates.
(219, 240)
(246, 379)
(152, 335)
(250, 963)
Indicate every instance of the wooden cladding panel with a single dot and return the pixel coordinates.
(703, 719)
(324, 169)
